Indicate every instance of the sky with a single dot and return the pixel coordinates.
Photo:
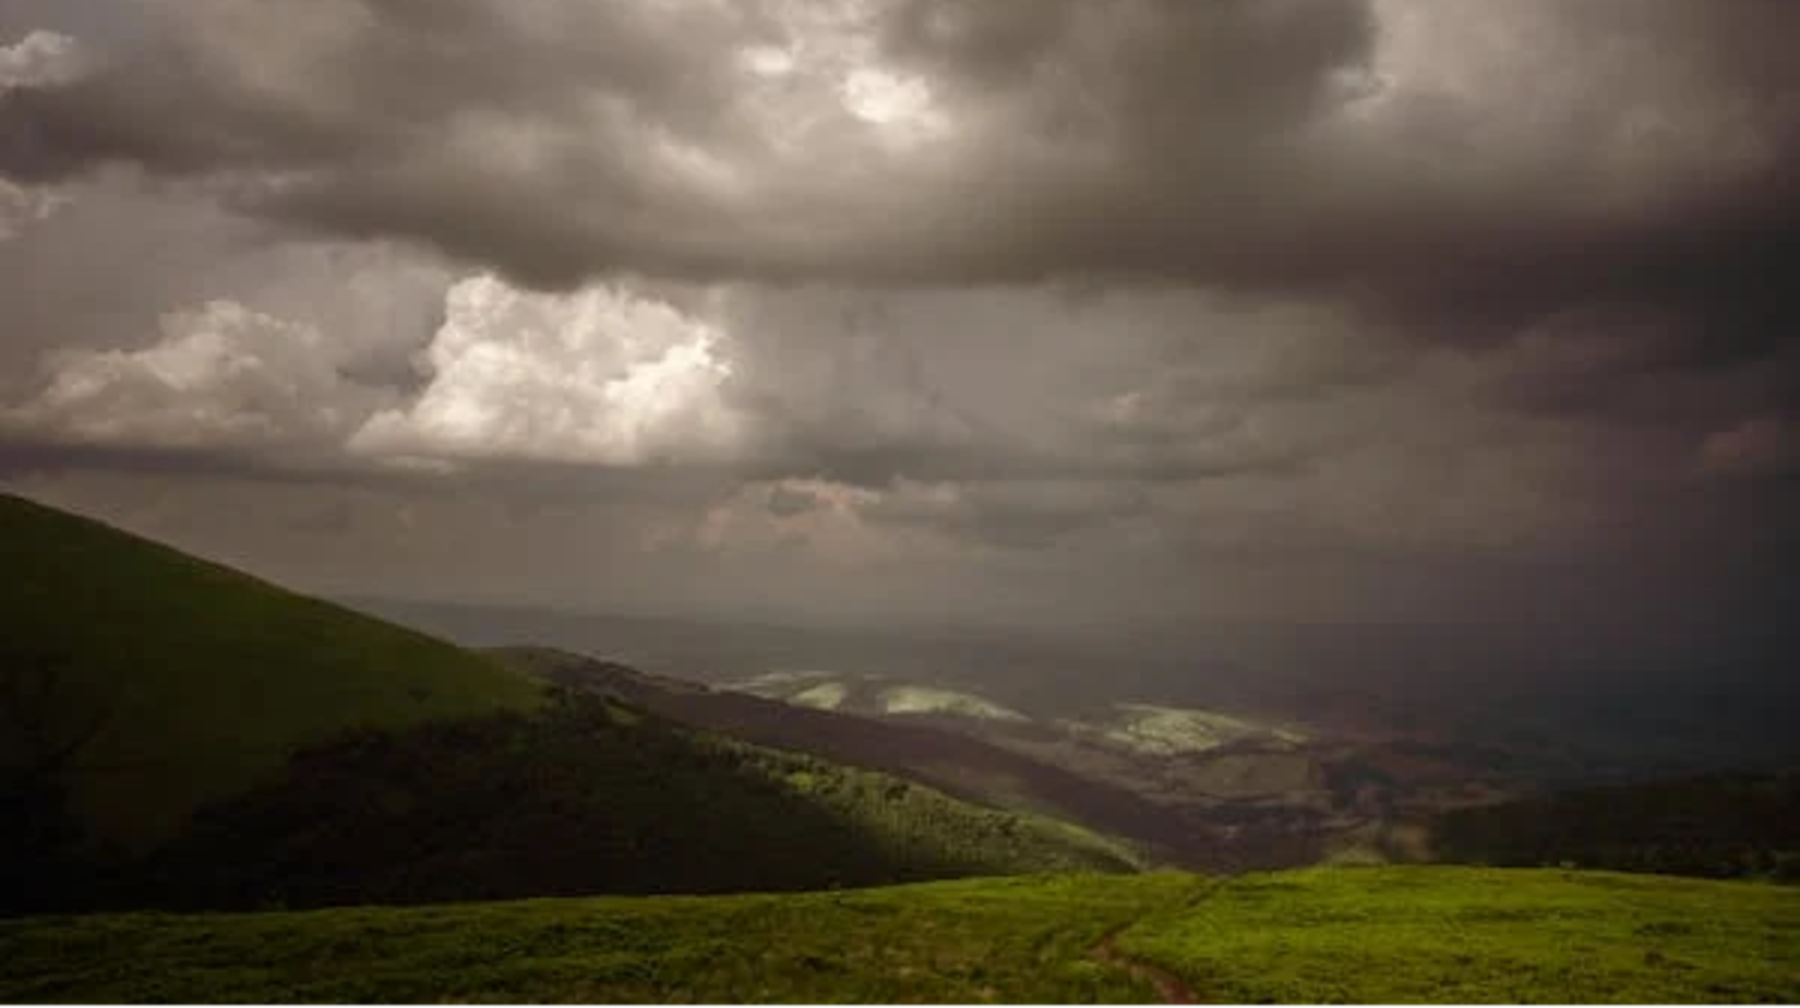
(1019, 312)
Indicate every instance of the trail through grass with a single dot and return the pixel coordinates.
(1417, 934)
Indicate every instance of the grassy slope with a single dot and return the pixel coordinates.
(206, 678)
(1382, 935)
(587, 797)
(1017, 940)
(1480, 935)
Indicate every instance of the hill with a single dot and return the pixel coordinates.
(181, 734)
(957, 764)
(584, 797)
(1718, 825)
(144, 681)
(1195, 789)
(1346, 935)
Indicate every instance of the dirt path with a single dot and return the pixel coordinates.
(1168, 986)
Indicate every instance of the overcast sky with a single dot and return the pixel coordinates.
(1023, 311)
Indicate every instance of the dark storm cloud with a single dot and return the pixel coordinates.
(1028, 515)
(1212, 143)
(24, 458)
(524, 487)
(786, 502)
(368, 133)
(1197, 290)
(346, 115)
(1014, 385)
(368, 80)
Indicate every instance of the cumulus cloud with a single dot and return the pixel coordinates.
(220, 376)
(40, 59)
(599, 376)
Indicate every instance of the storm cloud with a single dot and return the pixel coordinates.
(1463, 152)
(1262, 307)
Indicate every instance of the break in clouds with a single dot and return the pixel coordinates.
(1287, 308)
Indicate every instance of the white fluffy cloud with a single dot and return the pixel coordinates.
(598, 376)
(221, 375)
(41, 59)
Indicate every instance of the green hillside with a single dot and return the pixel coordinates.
(233, 745)
(148, 681)
(1371, 935)
(583, 797)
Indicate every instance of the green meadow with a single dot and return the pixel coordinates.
(1330, 935)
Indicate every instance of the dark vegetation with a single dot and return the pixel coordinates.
(1716, 826)
(585, 797)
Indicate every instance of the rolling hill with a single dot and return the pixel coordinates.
(1344, 935)
(1196, 789)
(584, 797)
(147, 681)
(958, 764)
(180, 734)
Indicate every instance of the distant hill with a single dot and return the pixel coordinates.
(961, 765)
(1357, 936)
(1717, 826)
(1194, 789)
(586, 796)
(145, 681)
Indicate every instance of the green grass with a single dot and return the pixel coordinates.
(1407, 934)
(202, 679)
(1008, 940)
(1418, 934)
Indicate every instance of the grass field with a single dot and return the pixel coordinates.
(1419, 934)
(199, 679)
(1392, 934)
(1023, 939)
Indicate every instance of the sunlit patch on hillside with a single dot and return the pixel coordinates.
(823, 696)
(1171, 731)
(929, 700)
(778, 682)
